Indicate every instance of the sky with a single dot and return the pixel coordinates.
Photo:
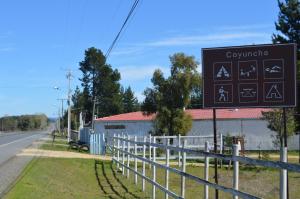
(41, 40)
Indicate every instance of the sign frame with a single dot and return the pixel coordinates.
(264, 80)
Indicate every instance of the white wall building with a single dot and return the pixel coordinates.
(241, 122)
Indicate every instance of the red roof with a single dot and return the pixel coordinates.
(197, 114)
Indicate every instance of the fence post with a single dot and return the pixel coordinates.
(283, 174)
(118, 152)
(236, 148)
(154, 170)
(179, 153)
(114, 147)
(183, 170)
(128, 156)
(206, 171)
(150, 149)
(123, 156)
(135, 160)
(221, 149)
(144, 163)
(167, 171)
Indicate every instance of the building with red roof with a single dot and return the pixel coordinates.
(247, 123)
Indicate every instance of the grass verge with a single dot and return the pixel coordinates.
(59, 145)
(79, 178)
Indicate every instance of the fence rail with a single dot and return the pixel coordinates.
(122, 157)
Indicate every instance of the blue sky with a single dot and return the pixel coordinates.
(40, 40)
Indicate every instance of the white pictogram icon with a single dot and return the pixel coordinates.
(273, 69)
(223, 95)
(222, 72)
(248, 92)
(274, 93)
(248, 72)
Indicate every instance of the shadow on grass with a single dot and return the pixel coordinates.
(110, 183)
(119, 181)
(97, 177)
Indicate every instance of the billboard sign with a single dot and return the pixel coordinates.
(249, 76)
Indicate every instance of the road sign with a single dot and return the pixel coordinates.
(249, 76)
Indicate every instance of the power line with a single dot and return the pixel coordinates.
(122, 27)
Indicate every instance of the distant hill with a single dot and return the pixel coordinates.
(52, 119)
(23, 122)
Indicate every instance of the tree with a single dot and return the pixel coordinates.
(196, 96)
(288, 23)
(170, 96)
(130, 102)
(101, 83)
(288, 27)
(275, 123)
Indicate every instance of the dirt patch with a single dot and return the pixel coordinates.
(59, 154)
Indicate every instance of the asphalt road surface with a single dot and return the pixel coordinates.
(11, 165)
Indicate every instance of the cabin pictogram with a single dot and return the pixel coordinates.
(274, 93)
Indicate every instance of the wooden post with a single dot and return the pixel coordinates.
(215, 151)
(123, 156)
(113, 147)
(179, 153)
(236, 148)
(154, 171)
(128, 156)
(206, 171)
(183, 170)
(144, 163)
(135, 160)
(221, 149)
(167, 171)
(150, 150)
(118, 152)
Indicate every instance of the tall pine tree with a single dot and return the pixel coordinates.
(288, 31)
(130, 102)
(101, 83)
(288, 23)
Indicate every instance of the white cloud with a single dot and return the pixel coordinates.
(128, 50)
(134, 73)
(222, 35)
(207, 39)
(5, 35)
(6, 49)
(246, 27)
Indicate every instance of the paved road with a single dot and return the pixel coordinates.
(11, 165)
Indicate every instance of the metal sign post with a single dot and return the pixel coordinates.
(215, 151)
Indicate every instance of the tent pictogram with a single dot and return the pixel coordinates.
(222, 72)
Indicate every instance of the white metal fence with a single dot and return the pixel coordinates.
(122, 155)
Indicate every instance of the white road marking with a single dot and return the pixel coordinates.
(17, 140)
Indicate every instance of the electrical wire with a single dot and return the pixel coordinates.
(122, 27)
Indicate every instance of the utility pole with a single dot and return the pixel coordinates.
(62, 114)
(94, 106)
(69, 76)
(58, 121)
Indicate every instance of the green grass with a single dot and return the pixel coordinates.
(72, 178)
(59, 145)
(78, 178)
